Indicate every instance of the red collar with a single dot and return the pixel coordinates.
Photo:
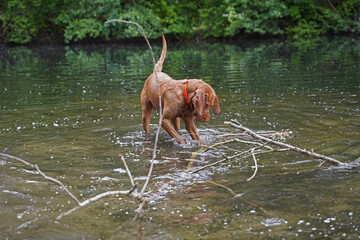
(185, 84)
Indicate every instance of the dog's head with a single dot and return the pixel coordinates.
(205, 97)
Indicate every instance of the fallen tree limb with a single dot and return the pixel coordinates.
(132, 193)
(236, 124)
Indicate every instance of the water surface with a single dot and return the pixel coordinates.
(73, 110)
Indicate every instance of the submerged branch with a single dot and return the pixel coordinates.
(236, 195)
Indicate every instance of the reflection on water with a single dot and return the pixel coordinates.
(72, 110)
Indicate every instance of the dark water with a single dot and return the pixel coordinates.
(72, 110)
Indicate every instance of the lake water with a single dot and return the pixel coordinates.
(73, 109)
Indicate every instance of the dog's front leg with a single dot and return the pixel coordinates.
(190, 127)
(169, 128)
(168, 122)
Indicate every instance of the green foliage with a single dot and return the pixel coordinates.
(23, 21)
(86, 18)
(178, 17)
(212, 18)
(254, 16)
(310, 18)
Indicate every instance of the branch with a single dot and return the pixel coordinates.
(246, 201)
(131, 193)
(256, 166)
(17, 159)
(276, 134)
(232, 157)
(58, 182)
(97, 197)
(236, 124)
(127, 170)
(43, 174)
(160, 107)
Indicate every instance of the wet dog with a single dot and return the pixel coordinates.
(184, 99)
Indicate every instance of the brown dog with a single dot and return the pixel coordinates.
(179, 98)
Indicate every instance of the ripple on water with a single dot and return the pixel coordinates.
(270, 222)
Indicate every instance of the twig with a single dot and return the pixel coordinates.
(127, 170)
(262, 152)
(139, 210)
(225, 187)
(276, 134)
(223, 160)
(226, 158)
(17, 159)
(207, 148)
(58, 182)
(246, 201)
(256, 166)
(236, 124)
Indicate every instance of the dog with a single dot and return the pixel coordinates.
(184, 99)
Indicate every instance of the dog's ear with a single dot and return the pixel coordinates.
(198, 101)
(216, 106)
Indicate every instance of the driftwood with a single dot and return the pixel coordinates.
(236, 124)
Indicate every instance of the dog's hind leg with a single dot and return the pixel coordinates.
(147, 109)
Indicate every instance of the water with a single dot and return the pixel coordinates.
(72, 110)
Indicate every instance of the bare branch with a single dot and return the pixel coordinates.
(256, 166)
(95, 198)
(160, 107)
(276, 134)
(127, 170)
(58, 182)
(43, 174)
(139, 210)
(236, 124)
(17, 159)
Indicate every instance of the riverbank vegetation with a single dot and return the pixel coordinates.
(74, 21)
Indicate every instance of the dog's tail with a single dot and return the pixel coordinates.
(159, 64)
